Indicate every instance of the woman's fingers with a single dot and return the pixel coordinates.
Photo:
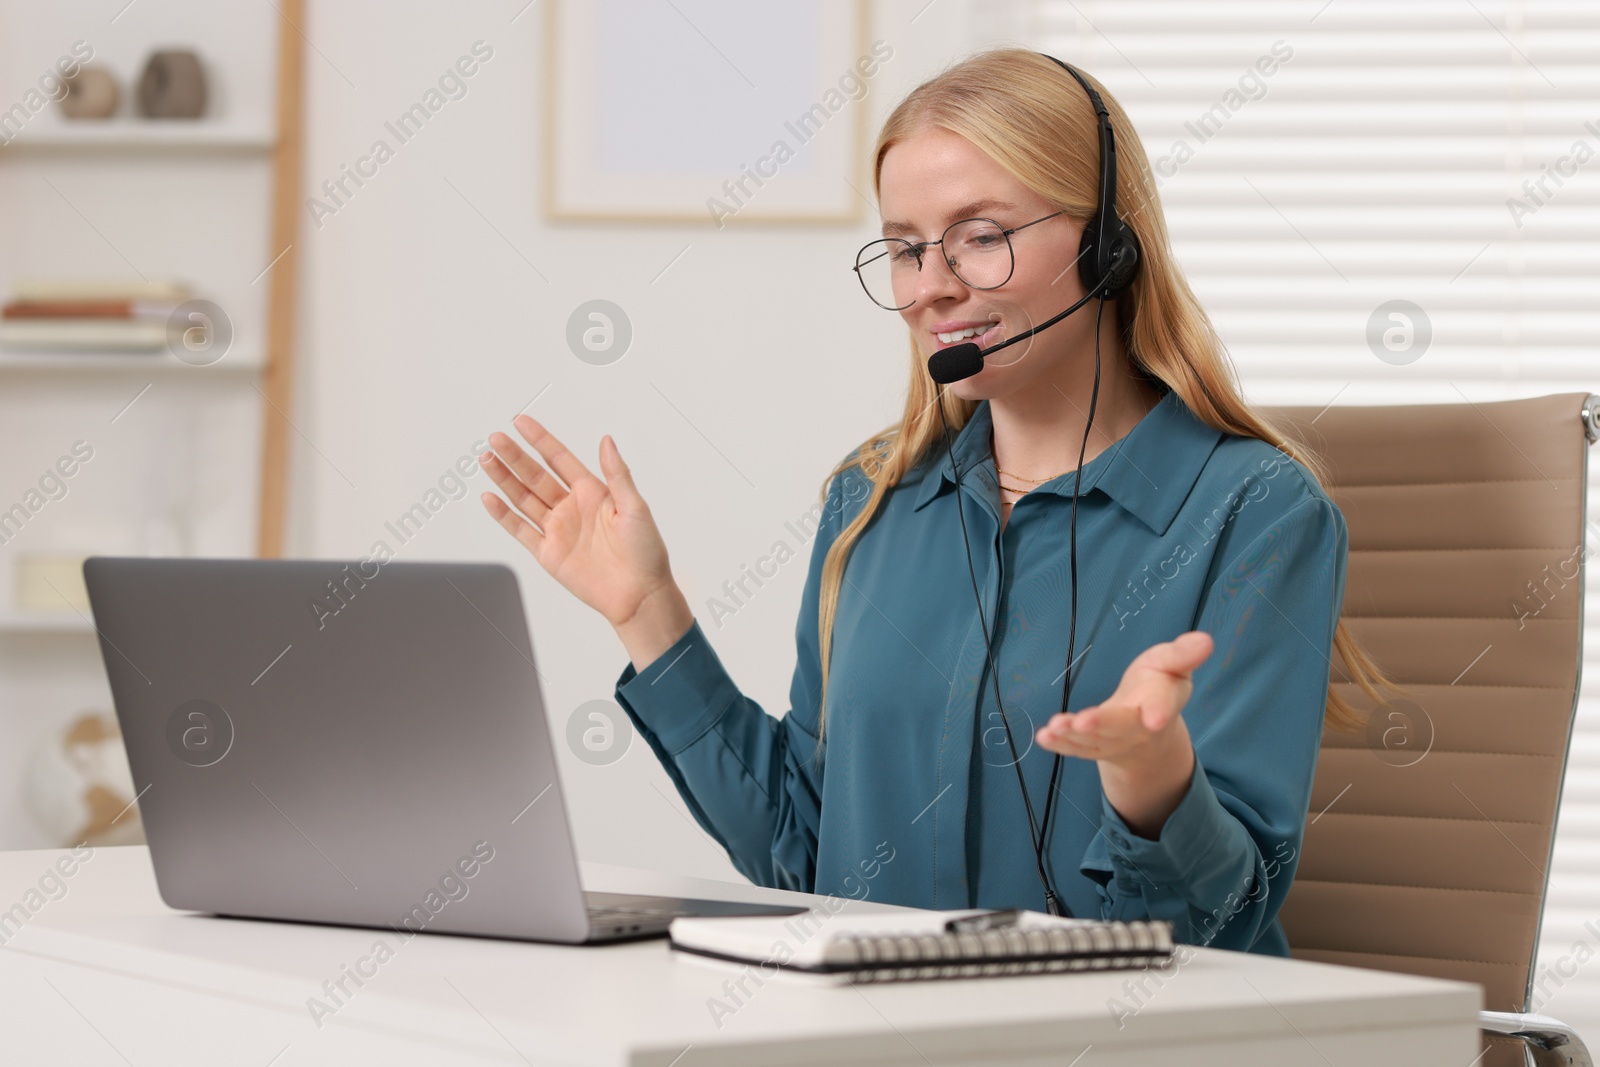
(1165, 686)
(522, 498)
(1157, 683)
(619, 478)
(527, 469)
(1178, 657)
(1085, 744)
(560, 459)
(1156, 714)
(1103, 722)
(1120, 718)
(514, 524)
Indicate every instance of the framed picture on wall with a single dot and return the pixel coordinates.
(714, 111)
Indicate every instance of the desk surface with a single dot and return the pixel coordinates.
(108, 974)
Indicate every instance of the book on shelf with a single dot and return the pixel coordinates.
(85, 315)
(83, 335)
(38, 289)
(899, 946)
(89, 309)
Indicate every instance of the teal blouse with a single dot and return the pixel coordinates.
(913, 799)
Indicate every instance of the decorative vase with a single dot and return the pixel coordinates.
(91, 94)
(173, 85)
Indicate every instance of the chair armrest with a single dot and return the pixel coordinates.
(1551, 1042)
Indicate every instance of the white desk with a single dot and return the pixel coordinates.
(107, 974)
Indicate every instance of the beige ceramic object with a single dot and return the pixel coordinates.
(91, 94)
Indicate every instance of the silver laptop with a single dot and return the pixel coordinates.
(334, 742)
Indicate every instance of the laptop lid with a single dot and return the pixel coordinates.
(330, 742)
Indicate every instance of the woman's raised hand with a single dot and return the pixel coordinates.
(1142, 720)
(1137, 735)
(597, 538)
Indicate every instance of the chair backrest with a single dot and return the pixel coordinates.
(1429, 835)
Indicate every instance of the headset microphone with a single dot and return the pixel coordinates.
(960, 361)
(1108, 260)
(952, 364)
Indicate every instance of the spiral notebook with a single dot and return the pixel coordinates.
(900, 946)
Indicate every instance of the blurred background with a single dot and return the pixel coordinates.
(267, 306)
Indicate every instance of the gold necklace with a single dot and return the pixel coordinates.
(1035, 481)
(1008, 474)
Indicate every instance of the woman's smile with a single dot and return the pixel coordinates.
(962, 331)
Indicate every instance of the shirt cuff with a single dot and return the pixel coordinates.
(1189, 837)
(679, 695)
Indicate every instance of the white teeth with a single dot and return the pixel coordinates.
(960, 335)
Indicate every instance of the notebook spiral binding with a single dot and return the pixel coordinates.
(1009, 950)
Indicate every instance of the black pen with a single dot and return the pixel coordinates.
(989, 920)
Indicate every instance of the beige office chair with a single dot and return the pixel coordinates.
(1429, 836)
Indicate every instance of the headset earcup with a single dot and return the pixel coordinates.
(1121, 256)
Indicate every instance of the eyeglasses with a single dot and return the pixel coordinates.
(978, 252)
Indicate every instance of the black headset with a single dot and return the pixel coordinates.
(1108, 256)
(1108, 261)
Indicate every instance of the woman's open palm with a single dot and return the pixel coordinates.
(597, 538)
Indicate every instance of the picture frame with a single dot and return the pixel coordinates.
(708, 111)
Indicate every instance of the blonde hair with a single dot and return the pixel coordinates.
(1033, 119)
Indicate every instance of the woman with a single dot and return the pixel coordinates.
(1209, 600)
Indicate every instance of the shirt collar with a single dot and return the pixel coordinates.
(1149, 472)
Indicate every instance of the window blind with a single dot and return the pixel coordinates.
(1322, 159)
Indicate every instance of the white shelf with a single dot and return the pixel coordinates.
(19, 362)
(133, 134)
(21, 622)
